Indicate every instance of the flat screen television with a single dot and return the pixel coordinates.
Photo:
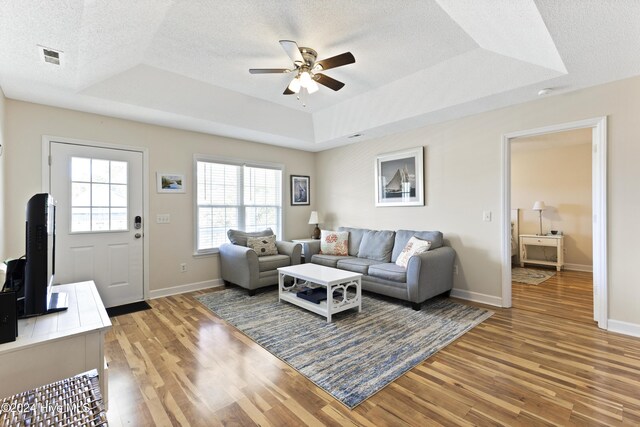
(41, 258)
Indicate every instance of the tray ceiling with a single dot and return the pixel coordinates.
(185, 64)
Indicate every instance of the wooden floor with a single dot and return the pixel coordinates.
(536, 364)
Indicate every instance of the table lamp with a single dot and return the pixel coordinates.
(539, 206)
(313, 219)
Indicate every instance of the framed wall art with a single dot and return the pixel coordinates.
(399, 178)
(170, 182)
(300, 190)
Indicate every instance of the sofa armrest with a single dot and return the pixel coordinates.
(311, 249)
(430, 273)
(293, 250)
(239, 265)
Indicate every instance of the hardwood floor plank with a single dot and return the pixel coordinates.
(543, 362)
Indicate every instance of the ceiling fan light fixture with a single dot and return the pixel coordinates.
(295, 85)
(312, 87)
(305, 79)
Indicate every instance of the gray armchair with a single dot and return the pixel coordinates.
(242, 265)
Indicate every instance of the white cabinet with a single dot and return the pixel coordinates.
(59, 345)
(528, 240)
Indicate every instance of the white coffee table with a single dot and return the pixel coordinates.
(330, 278)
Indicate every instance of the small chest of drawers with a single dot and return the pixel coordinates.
(528, 240)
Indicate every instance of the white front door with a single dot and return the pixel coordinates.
(99, 234)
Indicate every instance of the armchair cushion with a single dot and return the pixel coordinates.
(239, 237)
(272, 262)
(264, 246)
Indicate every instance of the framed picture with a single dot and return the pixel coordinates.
(170, 182)
(399, 178)
(299, 190)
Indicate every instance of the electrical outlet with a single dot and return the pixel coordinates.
(455, 270)
(183, 267)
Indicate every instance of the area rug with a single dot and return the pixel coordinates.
(357, 354)
(530, 276)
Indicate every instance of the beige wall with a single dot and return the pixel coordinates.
(2, 177)
(559, 175)
(463, 162)
(170, 150)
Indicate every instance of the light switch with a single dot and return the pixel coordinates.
(163, 218)
(486, 216)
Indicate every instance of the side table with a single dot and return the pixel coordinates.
(302, 242)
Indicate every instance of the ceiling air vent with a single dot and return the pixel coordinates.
(50, 56)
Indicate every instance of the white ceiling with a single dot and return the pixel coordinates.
(184, 63)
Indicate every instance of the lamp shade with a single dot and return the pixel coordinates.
(313, 219)
(539, 206)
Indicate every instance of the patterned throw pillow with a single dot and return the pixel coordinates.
(334, 242)
(414, 246)
(263, 245)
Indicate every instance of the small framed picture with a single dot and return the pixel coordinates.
(170, 182)
(299, 190)
(399, 178)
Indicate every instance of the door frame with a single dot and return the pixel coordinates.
(46, 185)
(598, 126)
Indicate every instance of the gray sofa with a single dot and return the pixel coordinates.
(242, 266)
(374, 252)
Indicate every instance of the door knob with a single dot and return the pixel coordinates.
(138, 235)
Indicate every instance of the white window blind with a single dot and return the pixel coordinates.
(235, 196)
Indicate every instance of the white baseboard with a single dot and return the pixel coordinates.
(621, 327)
(181, 289)
(578, 267)
(476, 297)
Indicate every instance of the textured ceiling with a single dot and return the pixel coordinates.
(185, 64)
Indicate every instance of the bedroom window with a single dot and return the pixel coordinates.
(233, 194)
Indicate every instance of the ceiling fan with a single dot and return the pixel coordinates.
(308, 69)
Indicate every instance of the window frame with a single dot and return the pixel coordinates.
(240, 163)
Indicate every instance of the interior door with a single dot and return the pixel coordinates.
(99, 234)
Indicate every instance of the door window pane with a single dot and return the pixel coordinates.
(99, 195)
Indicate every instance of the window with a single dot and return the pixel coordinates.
(234, 195)
(98, 195)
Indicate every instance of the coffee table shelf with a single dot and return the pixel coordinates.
(330, 278)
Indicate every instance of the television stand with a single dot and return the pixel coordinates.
(57, 302)
(59, 345)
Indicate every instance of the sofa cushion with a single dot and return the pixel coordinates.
(355, 238)
(264, 246)
(327, 260)
(389, 271)
(414, 246)
(334, 242)
(271, 262)
(357, 265)
(403, 236)
(239, 237)
(377, 245)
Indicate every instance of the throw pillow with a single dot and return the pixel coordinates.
(263, 245)
(334, 242)
(414, 246)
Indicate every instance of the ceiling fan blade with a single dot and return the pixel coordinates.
(336, 61)
(268, 70)
(293, 51)
(328, 81)
(288, 91)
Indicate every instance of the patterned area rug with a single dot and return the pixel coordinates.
(530, 276)
(357, 354)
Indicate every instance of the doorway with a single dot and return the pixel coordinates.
(100, 231)
(599, 220)
(551, 211)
